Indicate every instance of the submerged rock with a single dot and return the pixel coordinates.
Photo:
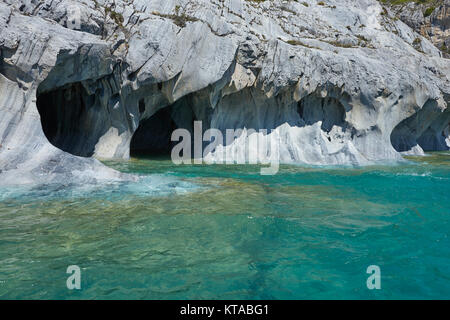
(340, 82)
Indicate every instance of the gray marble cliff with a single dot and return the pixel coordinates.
(430, 18)
(339, 81)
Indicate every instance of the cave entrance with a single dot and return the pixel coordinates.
(152, 139)
(328, 110)
(71, 118)
(424, 129)
(153, 136)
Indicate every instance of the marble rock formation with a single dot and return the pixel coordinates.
(338, 82)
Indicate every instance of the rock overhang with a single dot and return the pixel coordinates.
(375, 73)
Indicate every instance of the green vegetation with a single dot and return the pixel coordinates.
(429, 5)
(429, 11)
(178, 19)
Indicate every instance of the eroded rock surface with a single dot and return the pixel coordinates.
(430, 18)
(339, 83)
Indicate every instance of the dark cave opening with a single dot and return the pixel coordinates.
(328, 110)
(153, 136)
(425, 128)
(152, 139)
(70, 118)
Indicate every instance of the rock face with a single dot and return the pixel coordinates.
(431, 19)
(338, 82)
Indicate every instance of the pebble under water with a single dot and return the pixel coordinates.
(226, 232)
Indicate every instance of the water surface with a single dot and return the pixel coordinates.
(226, 232)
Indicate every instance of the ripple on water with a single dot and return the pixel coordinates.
(227, 232)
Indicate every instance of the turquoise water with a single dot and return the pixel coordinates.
(226, 232)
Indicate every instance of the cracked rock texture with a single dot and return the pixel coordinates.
(339, 83)
(431, 19)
